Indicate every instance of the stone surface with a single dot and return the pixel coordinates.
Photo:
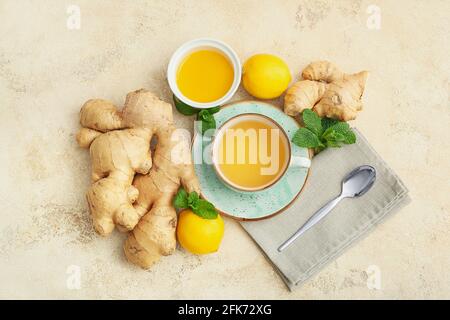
(48, 70)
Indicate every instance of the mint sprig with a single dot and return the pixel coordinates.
(200, 207)
(320, 133)
(205, 116)
(181, 199)
(207, 120)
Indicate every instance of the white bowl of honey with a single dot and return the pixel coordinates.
(204, 73)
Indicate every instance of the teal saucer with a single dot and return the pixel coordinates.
(260, 204)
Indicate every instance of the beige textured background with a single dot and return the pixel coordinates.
(47, 71)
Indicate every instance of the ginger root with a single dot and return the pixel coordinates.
(328, 91)
(155, 235)
(119, 143)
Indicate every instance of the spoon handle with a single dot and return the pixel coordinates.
(316, 217)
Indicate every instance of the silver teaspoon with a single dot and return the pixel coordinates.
(355, 184)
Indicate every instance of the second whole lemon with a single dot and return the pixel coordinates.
(198, 235)
(265, 76)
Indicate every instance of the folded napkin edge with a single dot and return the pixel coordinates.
(400, 201)
(379, 158)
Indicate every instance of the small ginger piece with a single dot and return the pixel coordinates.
(119, 143)
(340, 98)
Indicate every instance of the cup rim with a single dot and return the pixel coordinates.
(234, 185)
(177, 56)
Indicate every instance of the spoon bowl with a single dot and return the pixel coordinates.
(358, 181)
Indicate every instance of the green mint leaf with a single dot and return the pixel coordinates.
(333, 135)
(204, 115)
(181, 199)
(350, 137)
(193, 197)
(312, 121)
(332, 138)
(338, 137)
(192, 200)
(205, 210)
(207, 125)
(213, 110)
(325, 134)
(328, 122)
(344, 129)
(207, 121)
(340, 127)
(305, 138)
(184, 108)
(330, 134)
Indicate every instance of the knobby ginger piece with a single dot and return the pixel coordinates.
(119, 143)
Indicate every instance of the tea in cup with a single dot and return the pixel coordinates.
(251, 152)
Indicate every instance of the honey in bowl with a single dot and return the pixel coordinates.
(205, 76)
(252, 154)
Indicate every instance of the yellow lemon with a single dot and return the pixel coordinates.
(198, 235)
(265, 76)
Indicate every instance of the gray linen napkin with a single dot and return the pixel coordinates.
(349, 220)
